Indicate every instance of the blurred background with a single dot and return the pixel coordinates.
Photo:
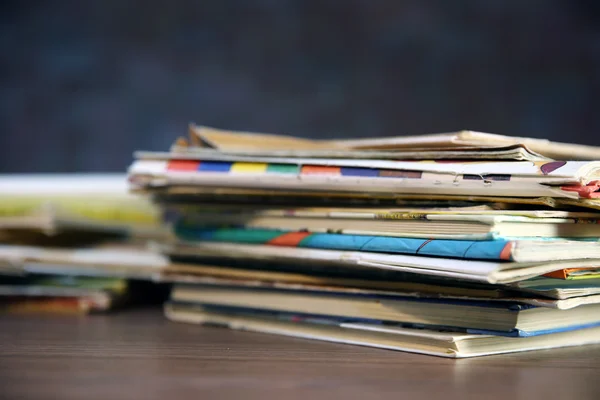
(85, 83)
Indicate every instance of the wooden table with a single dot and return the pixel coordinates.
(141, 355)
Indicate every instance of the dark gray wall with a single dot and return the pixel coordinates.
(84, 83)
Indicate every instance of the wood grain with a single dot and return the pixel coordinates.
(139, 354)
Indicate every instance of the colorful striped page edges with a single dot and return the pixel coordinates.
(286, 169)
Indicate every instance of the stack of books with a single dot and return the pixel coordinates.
(456, 245)
(74, 243)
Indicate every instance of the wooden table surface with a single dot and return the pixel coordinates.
(141, 355)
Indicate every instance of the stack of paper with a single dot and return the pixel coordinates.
(71, 243)
(455, 245)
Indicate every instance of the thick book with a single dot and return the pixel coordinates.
(422, 341)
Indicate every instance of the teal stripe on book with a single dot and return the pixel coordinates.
(254, 236)
(283, 168)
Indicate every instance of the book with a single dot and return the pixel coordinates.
(60, 294)
(54, 203)
(556, 179)
(232, 141)
(304, 258)
(422, 341)
(538, 298)
(475, 223)
(74, 201)
(502, 318)
(143, 184)
(53, 305)
(541, 291)
(575, 273)
(506, 153)
(105, 260)
(517, 250)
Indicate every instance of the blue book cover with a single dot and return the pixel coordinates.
(496, 249)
